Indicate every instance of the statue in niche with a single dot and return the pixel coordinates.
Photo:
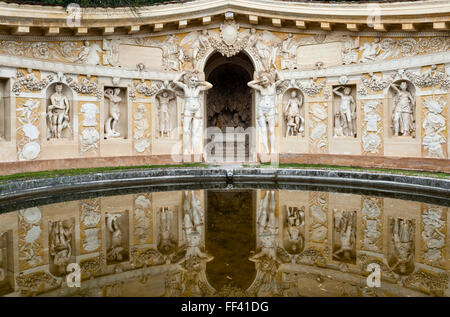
(295, 123)
(295, 222)
(114, 112)
(266, 112)
(58, 113)
(115, 251)
(192, 87)
(166, 244)
(403, 242)
(193, 228)
(347, 111)
(403, 113)
(164, 119)
(345, 225)
(60, 244)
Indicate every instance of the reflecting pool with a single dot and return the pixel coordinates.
(225, 242)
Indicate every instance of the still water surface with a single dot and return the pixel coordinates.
(225, 242)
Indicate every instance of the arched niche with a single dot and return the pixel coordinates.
(296, 123)
(67, 130)
(392, 104)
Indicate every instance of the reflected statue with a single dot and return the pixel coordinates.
(192, 87)
(295, 222)
(403, 112)
(60, 244)
(166, 244)
(58, 113)
(266, 112)
(345, 225)
(114, 112)
(114, 253)
(403, 242)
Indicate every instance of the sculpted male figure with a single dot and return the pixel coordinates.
(347, 108)
(192, 114)
(58, 112)
(294, 120)
(114, 112)
(164, 120)
(266, 83)
(403, 117)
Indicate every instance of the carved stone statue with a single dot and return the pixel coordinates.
(403, 112)
(114, 112)
(164, 120)
(289, 52)
(58, 113)
(294, 241)
(347, 110)
(192, 113)
(266, 111)
(166, 244)
(295, 123)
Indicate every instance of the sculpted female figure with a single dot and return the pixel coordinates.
(114, 112)
(294, 121)
(58, 113)
(403, 113)
(192, 114)
(266, 83)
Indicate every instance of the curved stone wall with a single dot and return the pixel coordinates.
(369, 92)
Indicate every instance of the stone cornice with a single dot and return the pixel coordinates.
(407, 16)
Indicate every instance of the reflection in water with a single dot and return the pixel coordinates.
(226, 243)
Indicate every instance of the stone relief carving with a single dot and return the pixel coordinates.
(401, 245)
(89, 140)
(295, 122)
(345, 113)
(114, 112)
(372, 127)
(143, 220)
(349, 50)
(266, 110)
(377, 83)
(318, 128)
(85, 87)
(61, 235)
(58, 117)
(381, 49)
(344, 236)
(430, 78)
(90, 225)
(265, 46)
(311, 88)
(434, 127)
(372, 224)
(65, 51)
(141, 129)
(318, 226)
(194, 46)
(92, 266)
(289, 52)
(434, 236)
(28, 118)
(403, 110)
(31, 253)
(192, 112)
(111, 51)
(30, 82)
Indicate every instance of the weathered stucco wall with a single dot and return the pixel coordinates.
(317, 59)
